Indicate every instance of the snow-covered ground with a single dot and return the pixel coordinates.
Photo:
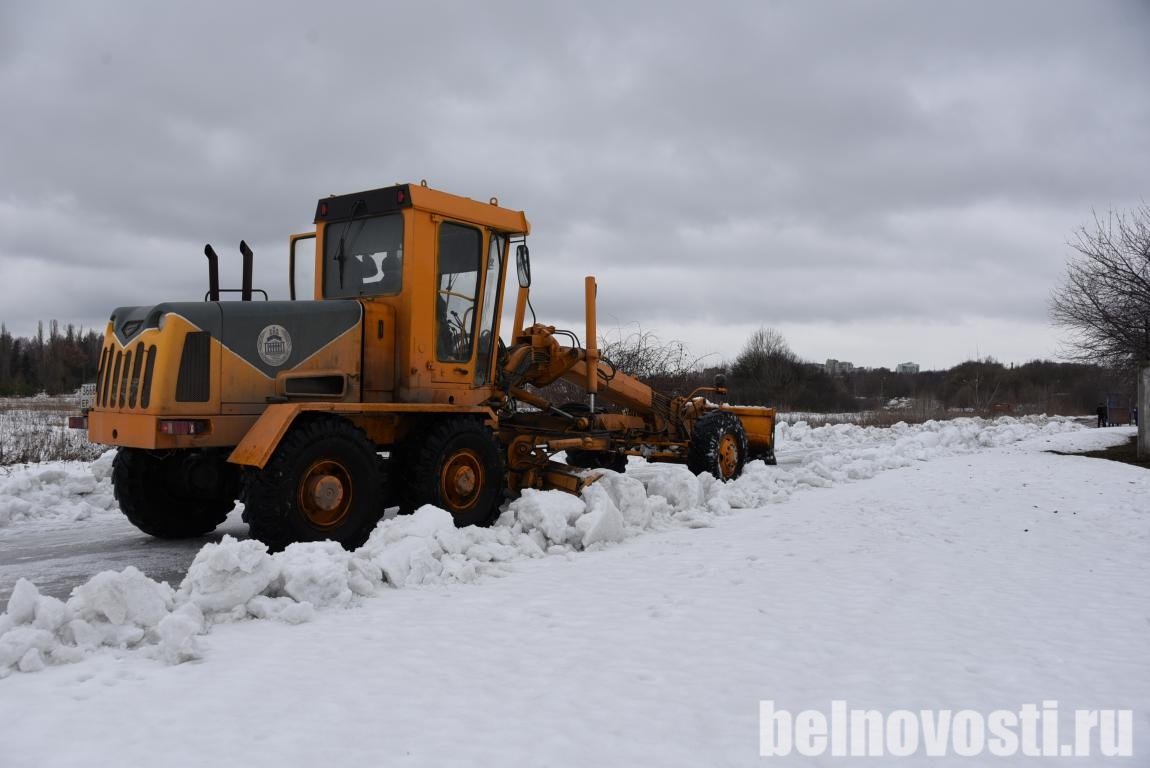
(641, 624)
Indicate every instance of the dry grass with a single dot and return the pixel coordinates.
(36, 429)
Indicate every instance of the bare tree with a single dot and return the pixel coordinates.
(766, 368)
(667, 367)
(644, 355)
(1104, 301)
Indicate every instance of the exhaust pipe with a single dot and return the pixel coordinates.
(213, 273)
(246, 293)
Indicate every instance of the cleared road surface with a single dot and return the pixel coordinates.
(60, 556)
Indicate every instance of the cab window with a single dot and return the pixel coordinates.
(488, 333)
(363, 257)
(457, 281)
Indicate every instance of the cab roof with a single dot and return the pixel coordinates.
(374, 202)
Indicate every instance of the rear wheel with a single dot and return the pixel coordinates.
(322, 482)
(718, 445)
(174, 494)
(456, 465)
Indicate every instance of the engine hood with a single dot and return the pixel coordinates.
(270, 335)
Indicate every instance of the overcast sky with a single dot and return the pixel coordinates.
(880, 181)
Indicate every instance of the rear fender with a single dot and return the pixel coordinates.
(264, 437)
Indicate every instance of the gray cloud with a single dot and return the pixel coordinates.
(913, 169)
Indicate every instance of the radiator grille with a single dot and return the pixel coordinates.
(114, 382)
(194, 382)
(134, 384)
(124, 377)
(101, 372)
(146, 394)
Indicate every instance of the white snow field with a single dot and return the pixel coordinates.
(639, 625)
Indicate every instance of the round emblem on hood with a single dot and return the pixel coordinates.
(274, 345)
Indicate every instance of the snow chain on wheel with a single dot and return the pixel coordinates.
(322, 482)
(718, 445)
(175, 494)
(457, 465)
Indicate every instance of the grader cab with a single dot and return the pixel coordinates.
(391, 386)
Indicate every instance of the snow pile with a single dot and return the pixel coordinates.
(64, 490)
(235, 580)
(427, 548)
(840, 452)
(120, 610)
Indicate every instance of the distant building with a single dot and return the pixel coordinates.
(838, 367)
(906, 368)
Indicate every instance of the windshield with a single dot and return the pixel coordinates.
(363, 257)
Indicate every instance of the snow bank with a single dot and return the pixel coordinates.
(61, 490)
(235, 580)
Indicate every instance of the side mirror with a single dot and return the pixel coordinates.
(523, 265)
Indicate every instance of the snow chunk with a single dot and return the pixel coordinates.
(629, 497)
(101, 468)
(673, 482)
(51, 613)
(316, 572)
(16, 643)
(428, 522)
(227, 575)
(127, 597)
(31, 661)
(22, 602)
(280, 609)
(177, 632)
(408, 562)
(549, 512)
(603, 522)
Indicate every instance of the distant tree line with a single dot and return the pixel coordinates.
(768, 372)
(56, 362)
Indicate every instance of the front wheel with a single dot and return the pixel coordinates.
(322, 482)
(718, 445)
(177, 494)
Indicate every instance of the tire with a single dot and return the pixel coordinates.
(718, 445)
(617, 462)
(174, 494)
(322, 482)
(456, 465)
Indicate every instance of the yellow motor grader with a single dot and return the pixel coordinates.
(391, 387)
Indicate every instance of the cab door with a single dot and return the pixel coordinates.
(458, 274)
(378, 351)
